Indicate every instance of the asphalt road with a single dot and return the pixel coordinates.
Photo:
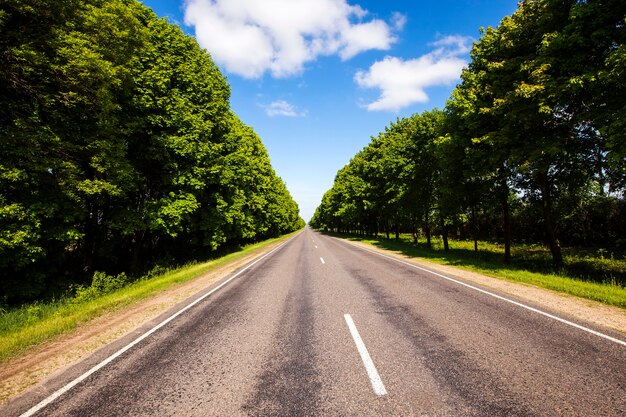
(321, 327)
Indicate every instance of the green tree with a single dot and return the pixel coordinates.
(60, 147)
(118, 148)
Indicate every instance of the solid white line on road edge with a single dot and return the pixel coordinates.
(120, 352)
(534, 310)
(322, 259)
(377, 383)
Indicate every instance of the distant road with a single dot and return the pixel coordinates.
(320, 327)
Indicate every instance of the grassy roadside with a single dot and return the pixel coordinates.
(530, 265)
(24, 328)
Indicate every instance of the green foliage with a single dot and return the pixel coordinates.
(101, 284)
(530, 145)
(118, 148)
(390, 181)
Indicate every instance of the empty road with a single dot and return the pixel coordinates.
(319, 327)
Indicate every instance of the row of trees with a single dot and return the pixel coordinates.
(118, 148)
(532, 137)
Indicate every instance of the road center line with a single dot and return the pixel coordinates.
(377, 383)
(499, 297)
(120, 352)
(322, 259)
(315, 246)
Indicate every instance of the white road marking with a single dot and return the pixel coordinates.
(377, 383)
(315, 246)
(123, 350)
(499, 297)
(322, 259)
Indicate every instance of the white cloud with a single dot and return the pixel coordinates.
(398, 20)
(404, 82)
(283, 108)
(252, 37)
(453, 45)
(364, 36)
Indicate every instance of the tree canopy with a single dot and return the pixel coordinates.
(118, 148)
(530, 144)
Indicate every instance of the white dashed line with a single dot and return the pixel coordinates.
(322, 259)
(377, 383)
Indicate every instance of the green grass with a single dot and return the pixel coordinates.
(587, 275)
(30, 325)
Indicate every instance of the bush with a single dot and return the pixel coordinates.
(101, 284)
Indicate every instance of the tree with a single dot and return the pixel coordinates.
(61, 152)
(118, 148)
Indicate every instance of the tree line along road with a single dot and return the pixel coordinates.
(321, 327)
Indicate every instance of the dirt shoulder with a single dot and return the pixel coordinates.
(18, 374)
(590, 311)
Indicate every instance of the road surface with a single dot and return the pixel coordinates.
(320, 327)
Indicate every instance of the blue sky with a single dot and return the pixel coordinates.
(317, 78)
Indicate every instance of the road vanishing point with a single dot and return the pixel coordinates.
(321, 327)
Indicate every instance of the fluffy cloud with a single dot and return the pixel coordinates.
(252, 37)
(403, 82)
(398, 20)
(282, 108)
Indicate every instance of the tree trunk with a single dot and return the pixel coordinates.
(136, 256)
(601, 174)
(506, 214)
(397, 232)
(444, 232)
(428, 234)
(414, 230)
(553, 242)
(89, 241)
(475, 229)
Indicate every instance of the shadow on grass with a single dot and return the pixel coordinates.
(490, 257)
